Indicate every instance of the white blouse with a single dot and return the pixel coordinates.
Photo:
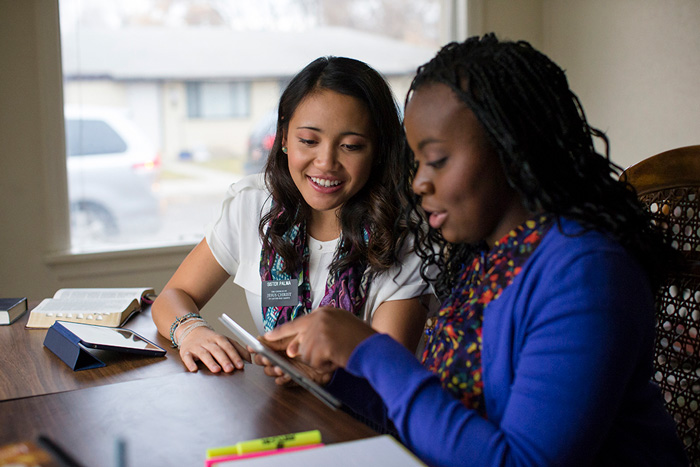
(233, 239)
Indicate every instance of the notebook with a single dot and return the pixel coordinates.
(382, 451)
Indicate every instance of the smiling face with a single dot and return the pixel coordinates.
(460, 179)
(330, 148)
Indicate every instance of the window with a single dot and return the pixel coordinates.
(218, 100)
(171, 102)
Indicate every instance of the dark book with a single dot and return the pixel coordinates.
(11, 309)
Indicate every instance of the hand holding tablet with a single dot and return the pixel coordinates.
(245, 338)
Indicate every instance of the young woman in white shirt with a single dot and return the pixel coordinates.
(323, 221)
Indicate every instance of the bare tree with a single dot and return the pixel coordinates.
(413, 21)
(407, 20)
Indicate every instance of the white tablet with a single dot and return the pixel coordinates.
(245, 338)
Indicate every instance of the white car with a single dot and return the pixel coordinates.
(113, 172)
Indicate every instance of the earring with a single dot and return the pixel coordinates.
(284, 149)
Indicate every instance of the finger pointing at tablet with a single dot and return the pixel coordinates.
(326, 337)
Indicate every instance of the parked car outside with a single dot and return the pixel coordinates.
(260, 142)
(113, 171)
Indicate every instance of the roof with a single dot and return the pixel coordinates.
(216, 53)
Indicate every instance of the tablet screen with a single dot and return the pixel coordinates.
(300, 378)
(106, 338)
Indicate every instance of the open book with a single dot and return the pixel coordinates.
(106, 307)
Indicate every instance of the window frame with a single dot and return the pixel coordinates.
(466, 13)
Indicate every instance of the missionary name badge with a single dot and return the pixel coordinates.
(280, 293)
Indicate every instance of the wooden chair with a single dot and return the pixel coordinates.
(669, 185)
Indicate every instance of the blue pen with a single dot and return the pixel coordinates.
(120, 453)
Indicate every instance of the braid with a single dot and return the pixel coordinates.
(539, 130)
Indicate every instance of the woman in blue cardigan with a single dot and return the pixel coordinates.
(541, 353)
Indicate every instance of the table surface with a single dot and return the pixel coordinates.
(165, 415)
(30, 369)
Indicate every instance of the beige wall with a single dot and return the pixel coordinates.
(634, 63)
(509, 19)
(636, 66)
(29, 227)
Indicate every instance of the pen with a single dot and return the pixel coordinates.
(120, 452)
(265, 444)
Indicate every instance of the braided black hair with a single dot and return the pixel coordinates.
(546, 146)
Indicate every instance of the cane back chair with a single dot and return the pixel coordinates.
(669, 185)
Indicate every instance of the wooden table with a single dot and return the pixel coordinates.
(30, 369)
(166, 415)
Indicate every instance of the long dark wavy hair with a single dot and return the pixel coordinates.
(377, 206)
(546, 146)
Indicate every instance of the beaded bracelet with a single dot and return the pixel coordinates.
(177, 322)
(197, 324)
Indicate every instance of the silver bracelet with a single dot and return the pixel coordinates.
(194, 323)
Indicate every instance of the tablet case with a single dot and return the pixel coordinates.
(68, 348)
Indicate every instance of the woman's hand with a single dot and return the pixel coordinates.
(212, 349)
(193, 284)
(324, 339)
(318, 376)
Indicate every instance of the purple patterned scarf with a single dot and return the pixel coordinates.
(346, 289)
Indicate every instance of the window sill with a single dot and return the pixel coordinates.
(86, 265)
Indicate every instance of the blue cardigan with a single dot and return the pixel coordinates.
(567, 362)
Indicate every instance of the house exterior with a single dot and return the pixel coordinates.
(198, 92)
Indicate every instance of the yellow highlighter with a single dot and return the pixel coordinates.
(266, 444)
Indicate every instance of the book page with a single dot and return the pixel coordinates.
(106, 312)
(65, 305)
(101, 294)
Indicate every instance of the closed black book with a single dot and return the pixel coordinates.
(11, 309)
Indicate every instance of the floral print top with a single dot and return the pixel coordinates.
(453, 350)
